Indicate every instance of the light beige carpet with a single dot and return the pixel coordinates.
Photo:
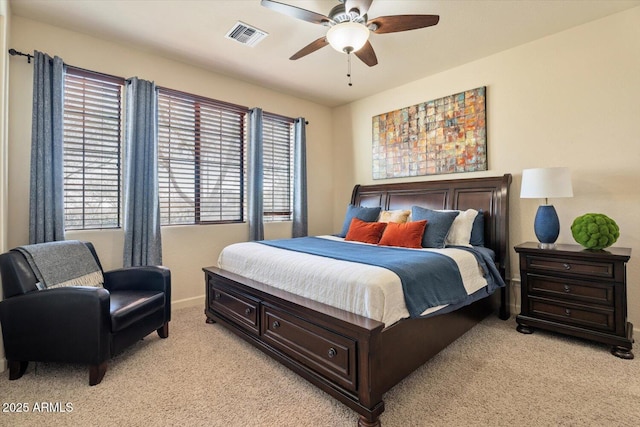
(203, 375)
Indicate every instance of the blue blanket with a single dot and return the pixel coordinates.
(428, 279)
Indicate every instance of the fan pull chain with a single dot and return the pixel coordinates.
(349, 67)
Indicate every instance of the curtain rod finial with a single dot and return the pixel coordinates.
(14, 52)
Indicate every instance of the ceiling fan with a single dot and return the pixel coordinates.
(349, 27)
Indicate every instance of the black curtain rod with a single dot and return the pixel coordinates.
(14, 52)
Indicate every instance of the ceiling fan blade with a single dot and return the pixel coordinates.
(310, 48)
(296, 12)
(362, 6)
(396, 23)
(367, 55)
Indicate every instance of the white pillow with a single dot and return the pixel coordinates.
(460, 231)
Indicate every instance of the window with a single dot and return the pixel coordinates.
(201, 156)
(92, 129)
(277, 135)
(200, 159)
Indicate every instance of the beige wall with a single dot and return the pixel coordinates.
(572, 99)
(186, 249)
(4, 79)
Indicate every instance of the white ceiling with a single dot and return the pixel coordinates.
(192, 31)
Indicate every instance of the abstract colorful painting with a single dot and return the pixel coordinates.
(446, 135)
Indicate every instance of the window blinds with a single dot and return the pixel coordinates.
(92, 149)
(200, 159)
(278, 166)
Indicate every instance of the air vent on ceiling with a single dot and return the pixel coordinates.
(246, 34)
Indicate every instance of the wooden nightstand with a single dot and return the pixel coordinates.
(576, 292)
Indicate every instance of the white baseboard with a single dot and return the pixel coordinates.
(188, 302)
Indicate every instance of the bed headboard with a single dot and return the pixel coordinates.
(491, 194)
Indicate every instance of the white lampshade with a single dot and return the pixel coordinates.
(347, 36)
(542, 183)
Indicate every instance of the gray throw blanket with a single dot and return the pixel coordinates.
(64, 263)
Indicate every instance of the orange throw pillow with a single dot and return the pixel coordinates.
(366, 232)
(407, 235)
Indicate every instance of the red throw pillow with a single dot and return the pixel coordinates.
(407, 235)
(366, 232)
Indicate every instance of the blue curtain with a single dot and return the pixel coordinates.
(300, 226)
(46, 199)
(255, 176)
(142, 241)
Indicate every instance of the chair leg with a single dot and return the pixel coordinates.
(17, 369)
(96, 373)
(163, 331)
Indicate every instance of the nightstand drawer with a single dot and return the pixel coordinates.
(571, 266)
(567, 313)
(566, 289)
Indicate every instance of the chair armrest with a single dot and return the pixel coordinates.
(70, 324)
(148, 278)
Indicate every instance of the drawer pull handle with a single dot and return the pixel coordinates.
(247, 311)
(566, 266)
(217, 295)
(567, 288)
(567, 312)
(332, 353)
(276, 324)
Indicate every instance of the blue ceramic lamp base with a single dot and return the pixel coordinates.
(546, 226)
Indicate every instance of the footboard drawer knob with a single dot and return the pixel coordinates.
(247, 311)
(217, 295)
(332, 353)
(276, 324)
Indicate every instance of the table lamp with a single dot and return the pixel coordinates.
(545, 183)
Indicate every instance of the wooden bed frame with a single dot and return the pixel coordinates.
(353, 358)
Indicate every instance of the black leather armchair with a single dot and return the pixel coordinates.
(79, 324)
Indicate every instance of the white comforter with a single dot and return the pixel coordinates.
(370, 291)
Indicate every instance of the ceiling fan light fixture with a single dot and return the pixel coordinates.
(348, 36)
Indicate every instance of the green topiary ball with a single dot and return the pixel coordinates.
(595, 231)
